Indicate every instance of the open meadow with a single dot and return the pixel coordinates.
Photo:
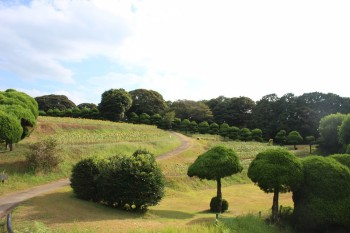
(185, 207)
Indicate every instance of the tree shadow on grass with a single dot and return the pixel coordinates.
(171, 214)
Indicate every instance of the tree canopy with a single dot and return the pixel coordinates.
(193, 110)
(216, 163)
(114, 104)
(147, 101)
(276, 171)
(328, 129)
(60, 102)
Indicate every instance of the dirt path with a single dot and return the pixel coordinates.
(9, 201)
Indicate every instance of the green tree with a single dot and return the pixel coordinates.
(323, 199)
(257, 135)
(245, 134)
(147, 101)
(281, 137)
(216, 163)
(60, 102)
(276, 171)
(329, 132)
(310, 140)
(344, 132)
(193, 127)
(223, 130)
(188, 109)
(133, 118)
(114, 104)
(10, 129)
(156, 119)
(168, 121)
(233, 133)
(144, 118)
(185, 125)
(87, 105)
(203, 127)
(294, 138)
(214, 128)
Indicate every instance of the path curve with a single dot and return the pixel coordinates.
(9, 201)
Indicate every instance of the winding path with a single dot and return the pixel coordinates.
(9, 201)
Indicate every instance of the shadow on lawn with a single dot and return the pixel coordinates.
(172, 214)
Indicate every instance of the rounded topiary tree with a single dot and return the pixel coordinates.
(294, 138)
(323, 200)
(276, 171)
(216, 163)
(10, 129)
(281, 137)
(84, 179)
(214, 202)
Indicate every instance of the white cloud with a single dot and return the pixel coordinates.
(36, 39)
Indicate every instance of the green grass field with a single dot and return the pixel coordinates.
(184, 207)
(80, 138)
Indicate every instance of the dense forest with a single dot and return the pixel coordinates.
(270, 114)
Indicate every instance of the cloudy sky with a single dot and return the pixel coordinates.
(184, 49)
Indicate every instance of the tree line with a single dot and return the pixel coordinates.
(270, 114)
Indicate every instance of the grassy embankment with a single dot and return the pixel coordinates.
(184, 208)
(77, 139)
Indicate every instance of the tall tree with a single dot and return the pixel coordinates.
(344, 132)
(114, 104)
(276, 171)
(216, 163)
(294, 138)
(147, 101)
(193, 110)
(329, 140)
(60, 102)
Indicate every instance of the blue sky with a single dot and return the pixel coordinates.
(197, 49)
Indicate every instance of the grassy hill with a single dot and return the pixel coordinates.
(77, 139)
(184, 207)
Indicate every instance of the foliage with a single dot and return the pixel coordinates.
(144, 118)
(60, 102)
(323, 200)
(310, 140)
(245, 134)
(348, 149)
(169, 121)
(114, 104)
(223, 130)
(294, 138)
(276, 171)
(234, 111)
(132, 182)
(216, 163)
(203, 127)
(329, 132)
(147, 101)
(10, 128)
(87, 105)
(188, 109)
(214, 128)
(342, 158)
(43, 155)
(133, 118)
(185, 125)
(214, 202)
(281, 137)
(193, 127)
(344, 131)
(233, 133)
(257, 135)
(84, 179)
(156, 119)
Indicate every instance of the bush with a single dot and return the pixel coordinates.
(323, 201)
(127, 182)
(84, 179)
(214, 205)
(43, 155)
(342, 158)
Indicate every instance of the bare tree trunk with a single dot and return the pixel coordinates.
(11, 146)
(310, 148)
(219, 196)
(275, 206)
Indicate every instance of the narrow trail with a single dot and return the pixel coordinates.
(9, 201)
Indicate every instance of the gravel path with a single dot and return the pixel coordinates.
(9, 201)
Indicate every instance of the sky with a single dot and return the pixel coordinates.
(184, 49)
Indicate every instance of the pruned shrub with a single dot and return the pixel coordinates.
(126, 182)
(342, 158)
(84, 179)
(322, 202)
(214, 203)
(43, 155)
